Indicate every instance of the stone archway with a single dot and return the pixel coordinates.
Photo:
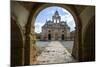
(77, 51)
(17, 46)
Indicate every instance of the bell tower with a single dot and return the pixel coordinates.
(56, 18)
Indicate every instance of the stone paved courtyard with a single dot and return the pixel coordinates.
(54, 52)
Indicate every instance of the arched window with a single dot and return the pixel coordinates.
(57, 20)
(54, 20)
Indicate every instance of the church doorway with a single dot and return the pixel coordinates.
(49, 36)
(62, 36)
(54, 31)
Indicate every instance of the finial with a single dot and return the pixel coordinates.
(56, 12)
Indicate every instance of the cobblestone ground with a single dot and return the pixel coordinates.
(55, 52)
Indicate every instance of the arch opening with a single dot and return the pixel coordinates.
(62, 37)
(51, 36)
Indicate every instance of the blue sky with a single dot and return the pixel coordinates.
(47, 13)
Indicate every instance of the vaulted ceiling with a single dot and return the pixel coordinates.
(30, 5)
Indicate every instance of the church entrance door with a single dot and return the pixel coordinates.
(62, 37)
(49, 36)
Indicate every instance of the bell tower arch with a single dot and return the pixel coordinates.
(56, 18)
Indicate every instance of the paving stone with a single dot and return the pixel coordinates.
(55, 52)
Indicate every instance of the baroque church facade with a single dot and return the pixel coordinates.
(55, 29)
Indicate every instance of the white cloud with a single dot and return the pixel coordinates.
(38, 26)
(51, 12)
(70, 21)
(64, 18)
(67, 18)
(64, 10)
(48, 19)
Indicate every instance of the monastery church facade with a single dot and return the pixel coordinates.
(55, 29)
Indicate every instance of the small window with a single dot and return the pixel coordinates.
(62, 31)
(57, 21)
(49, 31)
